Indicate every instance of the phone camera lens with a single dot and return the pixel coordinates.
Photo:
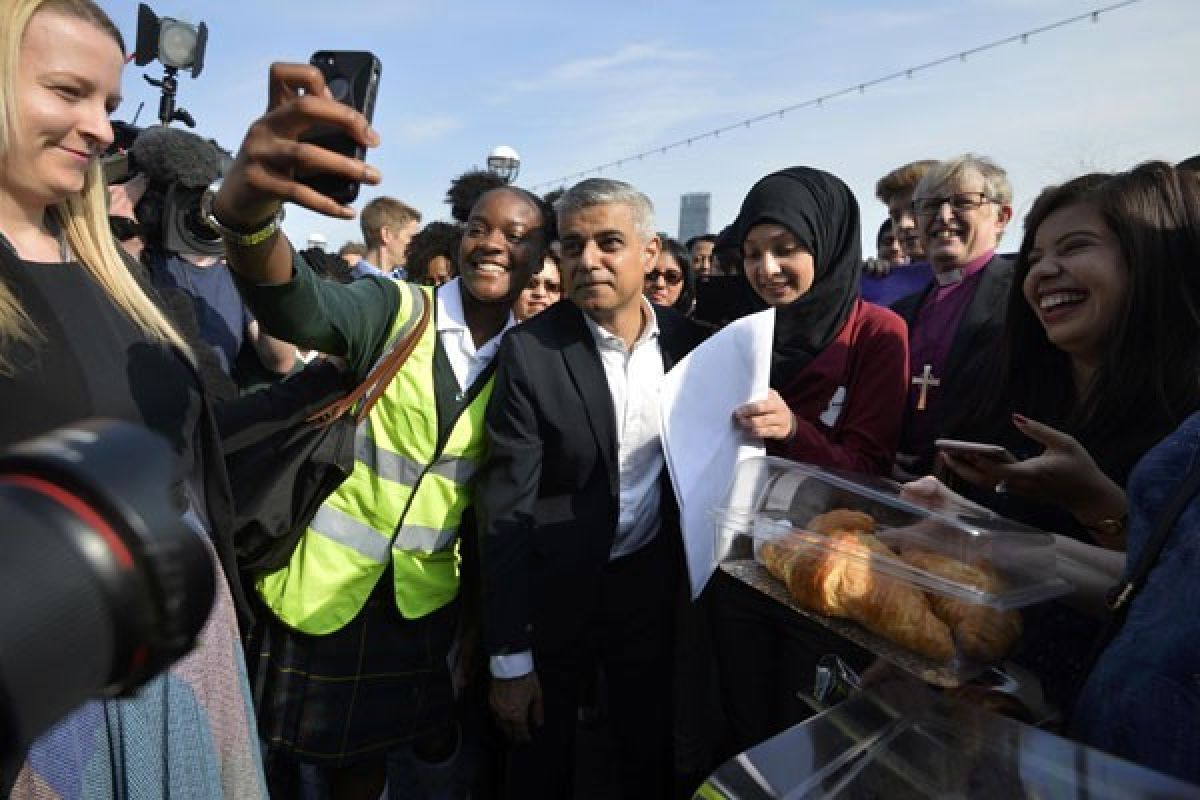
(340, 89)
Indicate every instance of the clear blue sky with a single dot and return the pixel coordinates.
(572, 85)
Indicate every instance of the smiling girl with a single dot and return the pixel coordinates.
(839, 369)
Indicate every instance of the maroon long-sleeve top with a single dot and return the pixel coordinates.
(849, 400)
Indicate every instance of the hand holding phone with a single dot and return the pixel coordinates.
(352, 78)
(263, 176)
(959, 447)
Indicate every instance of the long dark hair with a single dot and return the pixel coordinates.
(1149, 379)
(686, 302)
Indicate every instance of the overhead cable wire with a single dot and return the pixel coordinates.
(820, 100)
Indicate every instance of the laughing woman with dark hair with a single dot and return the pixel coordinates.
(1098, 362)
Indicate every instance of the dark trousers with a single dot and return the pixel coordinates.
(630, 636)
(766, 657)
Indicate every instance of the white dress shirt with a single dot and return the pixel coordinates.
(634, 378)
(466, 361)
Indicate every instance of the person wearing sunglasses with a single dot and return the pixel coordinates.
(961, 207)
(671, 281)
(543, 290)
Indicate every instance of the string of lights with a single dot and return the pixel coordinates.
(820, 100)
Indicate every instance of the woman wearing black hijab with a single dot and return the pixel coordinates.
(839, 365)
(839, 378)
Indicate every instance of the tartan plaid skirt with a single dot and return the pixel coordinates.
(380, 682)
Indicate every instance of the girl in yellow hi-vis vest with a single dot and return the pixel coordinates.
(362, 618)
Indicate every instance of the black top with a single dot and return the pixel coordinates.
(88, 360)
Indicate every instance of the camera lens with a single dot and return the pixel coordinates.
(103, 584)
(340, 89)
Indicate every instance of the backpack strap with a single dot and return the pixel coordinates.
(1120, 597)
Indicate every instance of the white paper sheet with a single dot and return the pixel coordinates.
(702, 443)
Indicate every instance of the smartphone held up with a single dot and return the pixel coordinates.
(352, 77)
(992, 452)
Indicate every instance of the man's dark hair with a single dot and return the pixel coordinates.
(704, 237)
(435, 239)
(466, 189)
(1190, 164)
(728, 251)
(884, 228)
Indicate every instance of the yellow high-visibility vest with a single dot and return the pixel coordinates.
(403, 501)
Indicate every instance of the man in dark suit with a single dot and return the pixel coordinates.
(579, 541)
(962, 207)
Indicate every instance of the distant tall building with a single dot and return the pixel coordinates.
(693, 214)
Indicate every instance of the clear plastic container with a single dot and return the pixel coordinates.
(899, 741)
(772, 498)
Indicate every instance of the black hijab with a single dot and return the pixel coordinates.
(822, 213)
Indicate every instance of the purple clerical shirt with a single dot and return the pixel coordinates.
(930, 338)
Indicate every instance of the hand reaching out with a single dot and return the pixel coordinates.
(1064, 474)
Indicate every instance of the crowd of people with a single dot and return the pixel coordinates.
(509, 540)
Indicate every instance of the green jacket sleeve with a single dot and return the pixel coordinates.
(348, 320)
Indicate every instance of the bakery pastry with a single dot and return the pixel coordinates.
(983, 633)
(841, 519)
(840, 581)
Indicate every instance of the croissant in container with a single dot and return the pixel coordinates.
(841, 519)
(982, 632)
(839, 581)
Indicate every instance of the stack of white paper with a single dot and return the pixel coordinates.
(701, 441)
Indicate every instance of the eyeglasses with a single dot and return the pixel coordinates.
(671, 276)
(959, 201)
(541, 283)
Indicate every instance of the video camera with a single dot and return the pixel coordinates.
(102, 584)
(179, 166)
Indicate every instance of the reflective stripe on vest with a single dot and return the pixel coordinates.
(400, 469)
(400, 502)
(428, 540)
(346, 530)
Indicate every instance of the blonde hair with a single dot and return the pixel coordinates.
(384, 212)
(902, 180)
(83, 217)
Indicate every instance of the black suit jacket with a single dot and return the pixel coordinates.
(546, 498)
(980, 326)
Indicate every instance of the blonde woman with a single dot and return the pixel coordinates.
(79, 338)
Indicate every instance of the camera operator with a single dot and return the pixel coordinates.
(182, 254)
(78, 338)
